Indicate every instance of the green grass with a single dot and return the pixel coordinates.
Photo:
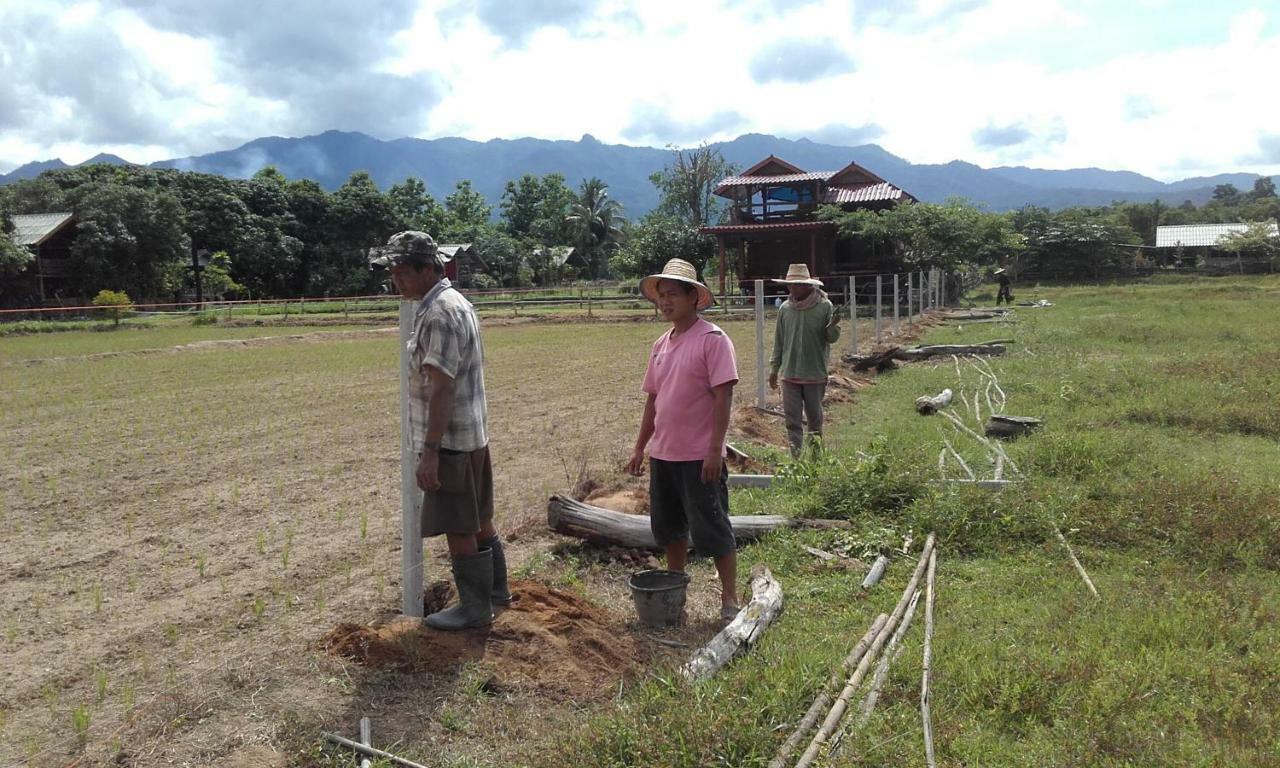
(1157, 458)
(132, 338)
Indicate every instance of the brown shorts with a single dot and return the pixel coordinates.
(465, 498)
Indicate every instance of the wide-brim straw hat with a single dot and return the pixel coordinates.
(677, 269)
(798, 274)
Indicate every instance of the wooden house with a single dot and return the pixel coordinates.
(773, 220)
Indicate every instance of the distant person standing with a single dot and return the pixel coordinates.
(448, 415)
(689, 382)
(807, 327)
(1005, 294)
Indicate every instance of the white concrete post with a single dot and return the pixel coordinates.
(896, 309)
(878, 295)
(911, 280)
(410, 496)
(760, 397)
(853, 315)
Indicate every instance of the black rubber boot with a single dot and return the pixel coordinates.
(501, 592)
(473, 575)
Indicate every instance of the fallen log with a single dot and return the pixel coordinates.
(1010, 427)
(975, 314)
(605, 527)
(881, 361)
(927, 404)
(741, 633)
(934, 350)
(876, 573)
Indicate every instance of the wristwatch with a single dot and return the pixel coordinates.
(431, 446)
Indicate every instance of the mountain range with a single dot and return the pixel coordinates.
(331, 157)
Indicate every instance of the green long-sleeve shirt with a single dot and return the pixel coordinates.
(802, 340)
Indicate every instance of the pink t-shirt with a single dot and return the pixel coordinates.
(682, 373)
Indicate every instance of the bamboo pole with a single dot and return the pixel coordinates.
(925, 715)
(891, 652)
(842, 701)
(365, 750)
(823, 700)
(1075, 561)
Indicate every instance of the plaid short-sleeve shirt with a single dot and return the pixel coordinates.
(446, 336)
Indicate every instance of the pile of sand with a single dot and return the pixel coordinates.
(547, 640)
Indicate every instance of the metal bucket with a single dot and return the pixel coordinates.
(659, 597)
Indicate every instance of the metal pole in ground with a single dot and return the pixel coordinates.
(853, 315)
(760, 401)
(896, 306)
(410, 498)
(878, 294)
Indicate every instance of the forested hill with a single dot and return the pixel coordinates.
(331, 157)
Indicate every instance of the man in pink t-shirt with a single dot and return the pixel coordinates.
(689, 383)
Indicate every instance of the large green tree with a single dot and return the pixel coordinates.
(126, 238)
(597, 223)
(953, 236)
(534, 209)
(687, 185)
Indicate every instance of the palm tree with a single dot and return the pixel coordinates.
(597, 223)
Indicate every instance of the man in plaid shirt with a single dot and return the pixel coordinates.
(447, 421)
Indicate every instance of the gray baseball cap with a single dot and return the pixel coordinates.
(408, 247)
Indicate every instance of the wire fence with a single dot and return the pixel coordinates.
(534, 301)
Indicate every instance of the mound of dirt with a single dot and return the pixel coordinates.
(841, 387)
(761, 427)
(631, 501)
(548, 641)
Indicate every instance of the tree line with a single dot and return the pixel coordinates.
(273, 237)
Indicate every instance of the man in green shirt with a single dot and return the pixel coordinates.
(807, 326)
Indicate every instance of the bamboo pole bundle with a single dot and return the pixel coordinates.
(823, 700)
(841, 704)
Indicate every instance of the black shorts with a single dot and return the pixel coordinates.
(680, 504)
(464, 500)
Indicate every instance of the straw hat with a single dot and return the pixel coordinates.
(798, 274)
(676, 269)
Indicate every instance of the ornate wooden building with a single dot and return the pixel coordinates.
(773, 220)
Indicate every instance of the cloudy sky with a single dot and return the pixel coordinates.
(1169, 88)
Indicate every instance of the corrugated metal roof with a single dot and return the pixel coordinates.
(450, 250)
(35, 228)
(1198, 235)
(777, 226)
(785, 178)
(864, 194)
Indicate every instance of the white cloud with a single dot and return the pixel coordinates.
(937, 80)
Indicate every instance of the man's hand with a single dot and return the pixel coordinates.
(773, 381)
(635, 466)
(428, 473)
(712, 465)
